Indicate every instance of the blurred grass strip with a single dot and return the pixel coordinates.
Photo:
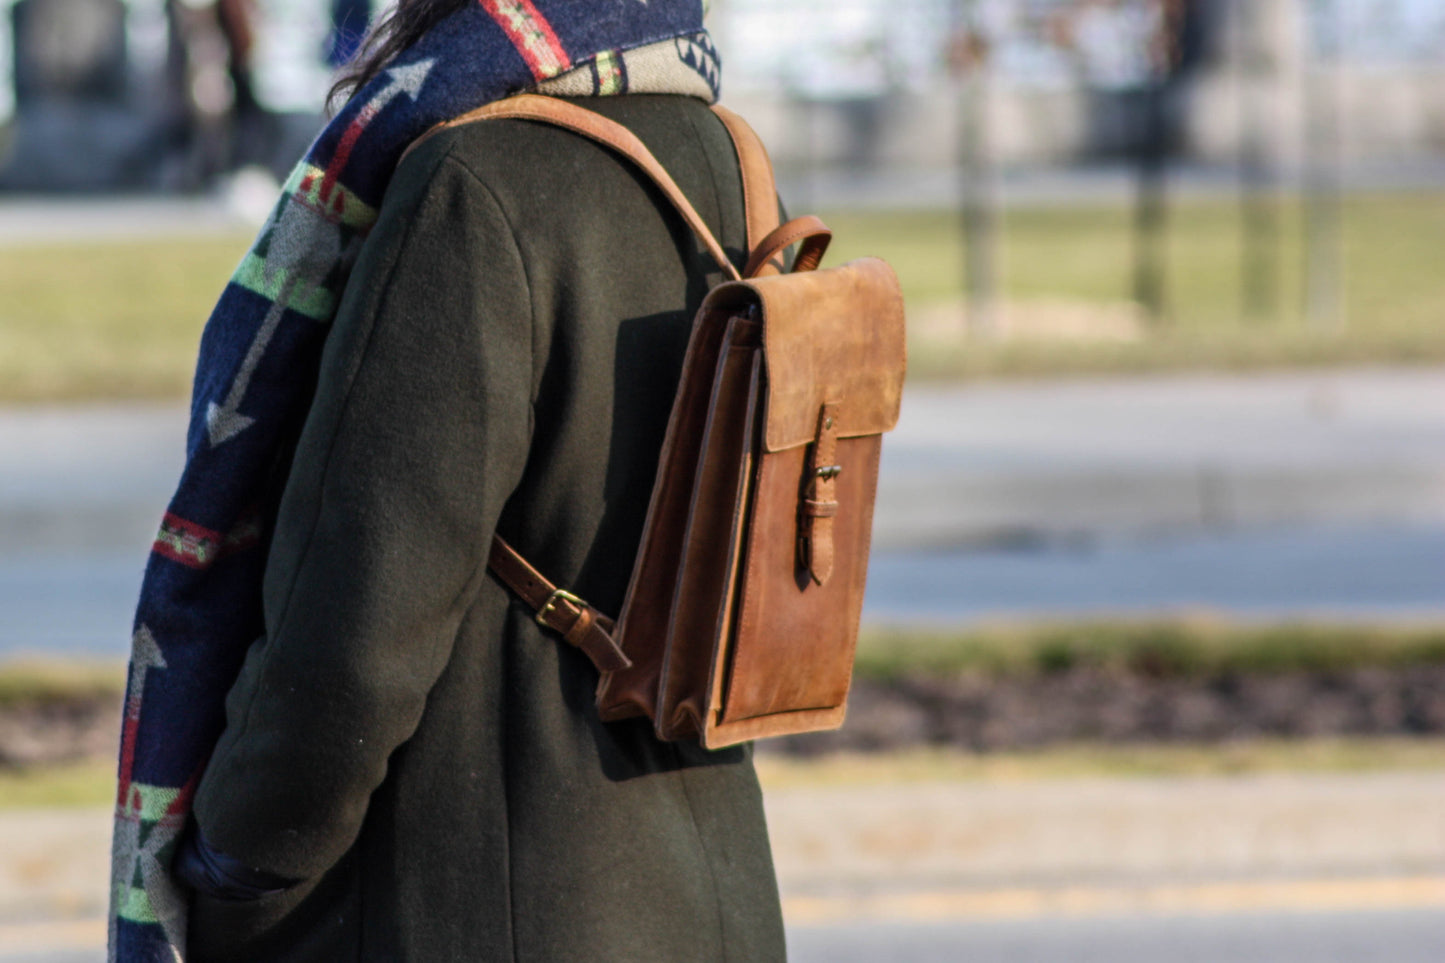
(92, 783)
(107, 320)
(123, 319)
(1160, 649)
(1085, 251)
(89, 783)
(1090, 760)
(1166, 648)
(1083, 255)
(31, 681)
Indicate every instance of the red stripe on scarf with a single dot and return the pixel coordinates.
(531, 34)
(343, 154)
(198, 547)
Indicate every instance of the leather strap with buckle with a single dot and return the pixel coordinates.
(820, 503)
(557, 609)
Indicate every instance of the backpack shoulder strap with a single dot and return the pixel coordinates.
(609, 133)
(760, 192)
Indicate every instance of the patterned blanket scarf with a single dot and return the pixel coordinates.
(200, 604)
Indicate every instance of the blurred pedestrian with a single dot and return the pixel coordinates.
(249, 131)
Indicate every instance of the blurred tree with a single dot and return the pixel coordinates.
(1259, 206)
(1322, 84)
(969, 57)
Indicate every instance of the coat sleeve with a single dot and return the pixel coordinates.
(417, 435)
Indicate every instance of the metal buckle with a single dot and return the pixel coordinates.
(830, 471)
(551, 604)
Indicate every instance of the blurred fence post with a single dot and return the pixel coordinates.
(1151, 204)
(1324, 257)
(970, 56)
(1259, 202)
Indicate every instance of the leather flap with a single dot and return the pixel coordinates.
(833, 336)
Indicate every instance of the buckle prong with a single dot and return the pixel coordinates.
(551, 603)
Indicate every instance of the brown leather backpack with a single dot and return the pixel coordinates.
(742, 614)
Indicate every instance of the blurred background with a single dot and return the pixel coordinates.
(1153, 659)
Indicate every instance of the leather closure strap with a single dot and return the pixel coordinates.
(578, 623)
(820, 505)
(609, 133)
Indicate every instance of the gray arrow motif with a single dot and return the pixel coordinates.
(167, 902)
(127, 851)
(404, 80)
(145, 654)
(307, 247)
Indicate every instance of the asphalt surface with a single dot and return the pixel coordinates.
(971, 465)
(1318, 494)
(1070, 458)
(1403, 936)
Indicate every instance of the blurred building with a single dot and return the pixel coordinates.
(141, 93)
(1060, 75)
(104, 94)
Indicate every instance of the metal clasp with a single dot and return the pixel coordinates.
(551, 604)
(830, 471)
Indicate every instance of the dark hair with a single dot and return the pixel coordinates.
(403, 27)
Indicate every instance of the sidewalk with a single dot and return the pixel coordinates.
(936, 851)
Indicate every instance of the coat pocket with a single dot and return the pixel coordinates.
(314, 920)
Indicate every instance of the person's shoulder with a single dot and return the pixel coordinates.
(497, 149)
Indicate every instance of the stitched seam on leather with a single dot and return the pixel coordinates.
(746, 617)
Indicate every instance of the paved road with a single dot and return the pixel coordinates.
(1268, 496)
(1408, 936)
(1402, 936)
(983, 463)
(1053, 460)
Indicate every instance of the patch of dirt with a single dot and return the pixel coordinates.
(58, 730)
(1098, 705)
(976, 711)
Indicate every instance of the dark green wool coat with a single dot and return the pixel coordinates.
(405, 738)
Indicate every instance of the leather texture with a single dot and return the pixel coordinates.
(832, 335)
(768, 252)
(578, 623)
(741, 616)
